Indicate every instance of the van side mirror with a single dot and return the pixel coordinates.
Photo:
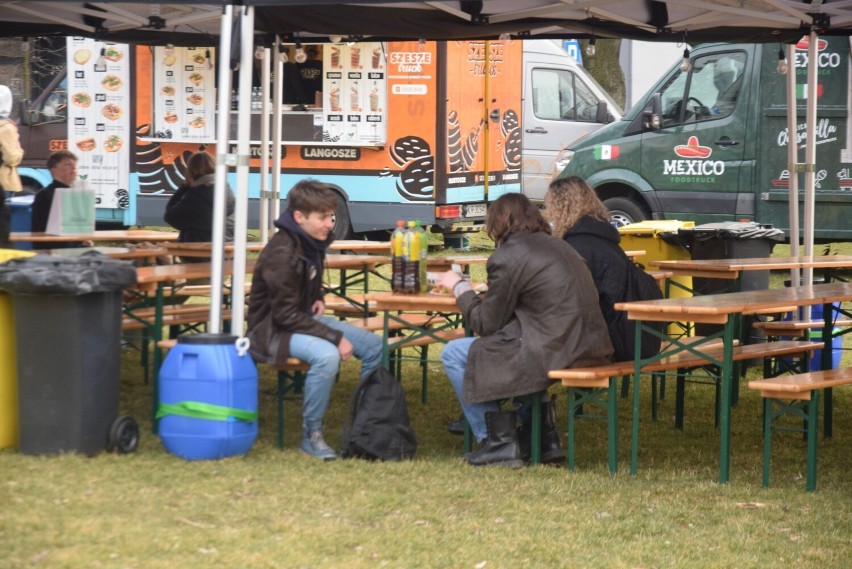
(602, 115)
(653, 111)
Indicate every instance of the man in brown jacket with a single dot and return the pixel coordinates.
(285, 317)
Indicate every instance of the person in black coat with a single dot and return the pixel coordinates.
(578, 215)
(190, 209)
(63, 167)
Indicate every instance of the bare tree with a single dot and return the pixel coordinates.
(605, 68)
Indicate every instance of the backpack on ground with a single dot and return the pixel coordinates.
(639, 286)
(377, 426)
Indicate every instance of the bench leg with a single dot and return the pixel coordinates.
(612, 427)
(577, 397)
(813, 429)
(767, 439)
(535, 432)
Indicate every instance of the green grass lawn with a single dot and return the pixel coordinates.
(280, 508)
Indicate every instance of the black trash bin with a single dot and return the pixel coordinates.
(67, 313)
(729, 240)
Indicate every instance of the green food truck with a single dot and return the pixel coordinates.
(708, 142)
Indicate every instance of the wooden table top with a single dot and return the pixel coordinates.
(447, 262)
(420, 301)
(167, 273)
(341, 261)
(357, 246)
(205, 249)
(754, 264)
(110, 235)
(112, 252)
(715, 308)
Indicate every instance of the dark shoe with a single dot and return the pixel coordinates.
(456, 427)
(314, 445)
(551, 446)
(501, 445)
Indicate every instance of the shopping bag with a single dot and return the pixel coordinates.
(72, 212)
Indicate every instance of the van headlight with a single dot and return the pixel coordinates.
(562, 161)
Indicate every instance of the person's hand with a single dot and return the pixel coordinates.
(449, 279)
(318, 307)
(345, 349)
(88, 243)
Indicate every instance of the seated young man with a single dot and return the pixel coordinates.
(285, 316)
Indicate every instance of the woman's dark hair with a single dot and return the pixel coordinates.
(199, 164)
(309, 196)
(512, 213)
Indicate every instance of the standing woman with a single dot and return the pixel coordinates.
(582, 220)
(11, 155)
(540, 313)
(190, 209)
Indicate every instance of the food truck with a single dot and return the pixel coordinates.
(401, 130)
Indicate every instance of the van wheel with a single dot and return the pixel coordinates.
(623, 211)
(342, 223)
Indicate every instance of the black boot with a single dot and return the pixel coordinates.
(501, 446)
(456, 427)
(551, 446)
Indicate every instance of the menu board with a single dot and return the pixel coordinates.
(99, 118)
(355, 93)
(184, 94)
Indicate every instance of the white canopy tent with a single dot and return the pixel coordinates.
(194, 22)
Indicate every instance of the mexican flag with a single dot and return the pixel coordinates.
(606, 152)
(802, 91)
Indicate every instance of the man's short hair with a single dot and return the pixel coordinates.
(309, 196)
(56, 157)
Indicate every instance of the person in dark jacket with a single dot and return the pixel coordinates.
(190, 209)
(540, 313)
(578, 215)
(63, 167)
(285, 315)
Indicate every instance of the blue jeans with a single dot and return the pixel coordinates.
(324, 360)
(454, 358)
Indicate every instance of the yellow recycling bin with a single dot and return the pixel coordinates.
(654, 237)
(8, 363)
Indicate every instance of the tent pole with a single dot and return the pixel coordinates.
(221, 176)
(264, 145)
(278, 98)
(238, 279)
(810, 152)
(792, 162)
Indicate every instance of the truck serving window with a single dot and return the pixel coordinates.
(559, 95)
(709, 91)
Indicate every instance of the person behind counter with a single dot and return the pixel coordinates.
(190, 209)
(63, 167)
(540, 313)
(310, 72)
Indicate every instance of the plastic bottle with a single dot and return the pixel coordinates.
(397, 245)
(424, 253)
(411, 261)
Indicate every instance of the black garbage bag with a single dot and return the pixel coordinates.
(731, 230)
(56, 274)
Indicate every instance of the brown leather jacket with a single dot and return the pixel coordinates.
(282, 292)
(541, 313)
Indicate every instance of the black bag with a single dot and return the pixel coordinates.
(639, 286)
(377, 426)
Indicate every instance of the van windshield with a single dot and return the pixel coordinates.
(708, 91)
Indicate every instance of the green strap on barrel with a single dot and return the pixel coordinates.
(197, 410)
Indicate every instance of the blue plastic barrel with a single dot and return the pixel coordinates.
(208, 398)
(815, 335)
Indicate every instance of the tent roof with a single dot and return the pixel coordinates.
(197, 22)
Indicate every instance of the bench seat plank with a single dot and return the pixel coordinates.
(800, 386)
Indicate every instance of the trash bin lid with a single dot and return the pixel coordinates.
(734, 230)
(49, 274)
(654, 227)
(9, 254)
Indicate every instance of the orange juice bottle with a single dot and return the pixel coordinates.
(397, 247)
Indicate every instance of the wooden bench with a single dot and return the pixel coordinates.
(592, 384)
(357, 305)
(796, 395)
(797, 328)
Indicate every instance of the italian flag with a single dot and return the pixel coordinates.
(802, 91)
(606, 152)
